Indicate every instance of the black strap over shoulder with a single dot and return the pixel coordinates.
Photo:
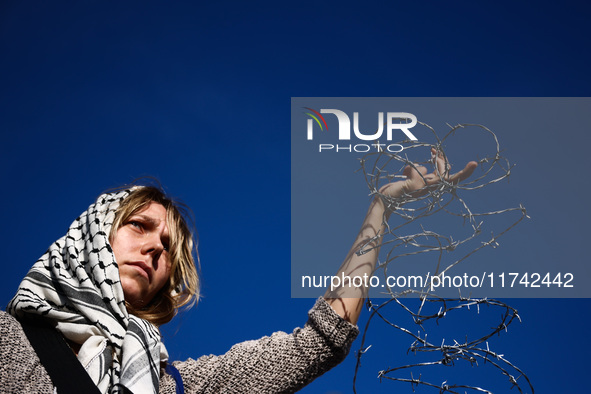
(64, 369)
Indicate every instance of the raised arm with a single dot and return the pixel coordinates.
(347, 300)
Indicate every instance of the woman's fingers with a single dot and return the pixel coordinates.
(465, 173)
(442, 166)
(409, 171)
(418, 176)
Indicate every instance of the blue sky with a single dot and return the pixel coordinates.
(95, 94)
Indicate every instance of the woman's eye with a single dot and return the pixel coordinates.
(136, 224)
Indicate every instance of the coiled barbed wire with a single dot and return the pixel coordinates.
(409, 211)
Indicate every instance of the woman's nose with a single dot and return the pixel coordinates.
(153, 245)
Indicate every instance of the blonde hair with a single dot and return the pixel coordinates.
(182, 287)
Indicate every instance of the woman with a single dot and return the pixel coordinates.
(126, 266)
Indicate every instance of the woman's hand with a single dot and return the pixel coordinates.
(418, 181)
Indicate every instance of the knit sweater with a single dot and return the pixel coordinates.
(280, 363)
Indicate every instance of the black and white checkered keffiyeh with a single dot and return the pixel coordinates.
(76, 285)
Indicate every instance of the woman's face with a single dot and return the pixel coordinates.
(141, 251)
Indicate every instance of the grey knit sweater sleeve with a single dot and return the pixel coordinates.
(281, 363)
(20, 368)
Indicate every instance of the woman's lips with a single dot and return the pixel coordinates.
(144, 268)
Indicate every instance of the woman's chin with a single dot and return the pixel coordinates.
(133, 294)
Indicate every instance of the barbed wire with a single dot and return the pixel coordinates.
(411, 210)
